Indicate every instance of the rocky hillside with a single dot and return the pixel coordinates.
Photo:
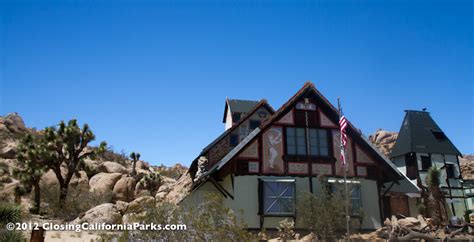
(106, 192)
(385, 140)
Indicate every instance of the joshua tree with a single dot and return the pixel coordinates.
(135, 157)
(67, 146)
(434, 195)
(151, 182)
(31, 155)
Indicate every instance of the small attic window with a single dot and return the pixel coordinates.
(440, 136)
(254, 124)
(236, 117)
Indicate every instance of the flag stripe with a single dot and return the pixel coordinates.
(343, 126)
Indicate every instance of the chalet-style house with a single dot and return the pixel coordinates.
(421, 144)
(265, 160)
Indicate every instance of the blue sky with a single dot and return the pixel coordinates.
(152, 76)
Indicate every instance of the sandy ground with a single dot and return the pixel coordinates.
(66, 236)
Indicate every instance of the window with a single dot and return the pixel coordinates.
(450, 171)
(296, 142)
(425, 163)
(318, 141)
(254, 124)
(440, 136)
(354, 193)
(236, 117)
(356, 200)
(278, 197)
(411, 166)
(234, 140)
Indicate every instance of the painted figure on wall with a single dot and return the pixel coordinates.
(273, 146)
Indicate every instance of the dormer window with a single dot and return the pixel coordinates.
(440, 136)
(236, 117)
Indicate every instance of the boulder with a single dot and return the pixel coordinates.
(140, 203)
(80, 180)
(180, 189)
(160, 196)
(49, 179)
(142, 165)
(8, 150)
(104, 213)
(91, 164)
(165, 188)
(467, 167)
(124, 189)
(141, 191)
(384, 140)
(112, 167)
(12, 123)
(104, 182)
(121, 206)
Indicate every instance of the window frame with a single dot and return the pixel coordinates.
(354, 184)
(236, 116)
(231, 137)
(278, 198)
(424, 160)
(452, 171)
(358, 199)
(292, 141)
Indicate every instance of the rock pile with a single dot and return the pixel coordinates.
(467, 167)
(411, 228)
(384, 140)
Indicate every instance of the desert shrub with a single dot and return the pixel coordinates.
(286, 229)
(10, 213)
(78, 201)
(209, 221)
(174, 172)
(111, 155)
(324, 212)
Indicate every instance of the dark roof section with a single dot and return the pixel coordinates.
(261, 103)
(420, 134)
(238, 106)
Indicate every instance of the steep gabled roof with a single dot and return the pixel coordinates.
(238, 106)
(308, 87)
(420, 134)
(260, 104)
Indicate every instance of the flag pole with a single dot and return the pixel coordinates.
(346, 194)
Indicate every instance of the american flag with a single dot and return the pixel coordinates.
(343, 125)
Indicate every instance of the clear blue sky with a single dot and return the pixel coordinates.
(152, 77)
